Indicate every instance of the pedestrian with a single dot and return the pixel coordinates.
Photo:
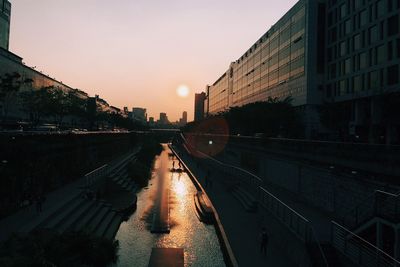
(263, 241)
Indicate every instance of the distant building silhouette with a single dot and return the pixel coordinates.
(139, 114)
(183, 120)
(163, 118)
(199, 106)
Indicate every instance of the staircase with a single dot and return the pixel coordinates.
(77, 213)
(248, 202)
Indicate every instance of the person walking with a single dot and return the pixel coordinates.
(263, 241)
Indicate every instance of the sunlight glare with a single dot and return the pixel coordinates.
(182, 90)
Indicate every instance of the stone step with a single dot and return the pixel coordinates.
(62, 214)
(81, 224)
(76, 216)
(103, 226)
(249, 198)
(113, 227)
(47, 214)
(248, 206)
(95, 222)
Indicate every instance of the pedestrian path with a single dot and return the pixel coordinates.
(243, 228)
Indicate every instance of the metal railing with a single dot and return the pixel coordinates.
(379, 203)
(94, 175)
(359, 250)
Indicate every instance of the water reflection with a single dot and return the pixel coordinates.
(200, 242)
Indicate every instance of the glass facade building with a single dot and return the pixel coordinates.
(278, 65)
(5, 15)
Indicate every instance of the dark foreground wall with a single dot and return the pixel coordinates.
(35, 164)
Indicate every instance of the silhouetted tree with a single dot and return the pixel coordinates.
(10, 85)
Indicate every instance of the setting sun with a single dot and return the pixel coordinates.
(182, 91)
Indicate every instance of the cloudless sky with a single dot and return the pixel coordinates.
(136, 53)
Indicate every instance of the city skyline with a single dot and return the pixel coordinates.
(189, 42)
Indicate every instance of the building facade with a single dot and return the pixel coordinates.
(363, 58)
(288, 60)
(5, 17)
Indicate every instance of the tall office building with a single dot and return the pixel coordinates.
(5, 16)
(288, 60)
(184, 117)
(199, 106)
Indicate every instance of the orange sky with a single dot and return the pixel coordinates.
(136, 53)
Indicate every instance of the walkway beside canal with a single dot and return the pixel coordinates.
(242, 228)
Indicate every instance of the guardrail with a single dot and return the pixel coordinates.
(359, 250)
(94, 175)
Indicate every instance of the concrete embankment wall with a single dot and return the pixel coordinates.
(35, 164)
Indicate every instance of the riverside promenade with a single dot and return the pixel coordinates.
(242, 228)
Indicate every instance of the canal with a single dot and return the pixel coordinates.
(198, 240)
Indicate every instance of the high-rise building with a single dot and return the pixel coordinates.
(163, 118)
(199, 106)
(288, 60)
(184, 117)
(5, 16)
(139, 114)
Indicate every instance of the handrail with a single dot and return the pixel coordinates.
(363, 203)
(280, 201)
(101, 171)
(367, 245)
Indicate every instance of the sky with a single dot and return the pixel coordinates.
(136, 53)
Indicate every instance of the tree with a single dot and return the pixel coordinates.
(10, 85)
(37, 103)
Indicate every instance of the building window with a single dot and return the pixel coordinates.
(357, 83)
(390, 50)
(347, 66)
(393, 75)
(393, 25)
(373, 34)
(347, 26)
(342, 48)
(362, 60)
(380, 8)
(356, 42)
(363, 18)
(343, 11)
(373, 79)
(380, 54)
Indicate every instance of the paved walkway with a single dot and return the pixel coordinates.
(243, 229)
(28, 216)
